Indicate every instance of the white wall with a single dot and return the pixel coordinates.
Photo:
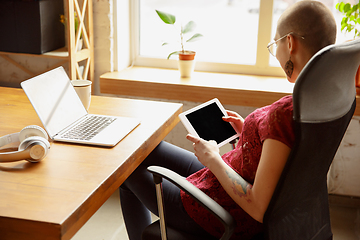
(344, 174)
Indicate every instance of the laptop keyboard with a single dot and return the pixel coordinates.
(88, 128)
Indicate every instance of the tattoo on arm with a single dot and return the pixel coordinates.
(239, 185)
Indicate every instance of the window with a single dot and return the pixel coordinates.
(236, 33)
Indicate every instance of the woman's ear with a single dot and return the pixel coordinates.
(291, 43)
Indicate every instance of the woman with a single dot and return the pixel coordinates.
(242, 180)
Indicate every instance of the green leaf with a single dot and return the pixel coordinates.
(341, 7)
(343, 27)
(337, 6)
(166, 17)
(173, 53)
(344, 20)
(355, 7)
(195, 37)
(347, 7)
(165, 43)
(188, 27)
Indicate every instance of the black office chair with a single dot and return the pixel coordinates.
(324, 102)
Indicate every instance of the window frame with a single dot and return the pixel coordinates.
(261, 67)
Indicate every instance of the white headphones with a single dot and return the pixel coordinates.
(33, 146)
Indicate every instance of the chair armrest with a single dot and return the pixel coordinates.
(204, 200)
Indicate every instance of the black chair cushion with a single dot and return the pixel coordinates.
(152, 232)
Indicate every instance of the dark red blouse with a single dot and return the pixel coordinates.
(275, 122)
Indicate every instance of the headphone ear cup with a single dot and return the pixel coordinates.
(38, 147)
(32, 130)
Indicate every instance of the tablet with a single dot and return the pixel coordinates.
(205, 121)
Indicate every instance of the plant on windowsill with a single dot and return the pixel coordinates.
(351, 22)
(186, 57)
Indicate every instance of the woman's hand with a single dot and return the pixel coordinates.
(236, 119)
(207, 152)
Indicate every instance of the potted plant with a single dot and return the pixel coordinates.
(350, 22)
(186, 57)
(63, 20)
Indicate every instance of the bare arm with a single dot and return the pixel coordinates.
(254, 199)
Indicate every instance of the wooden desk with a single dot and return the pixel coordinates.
(54, 198)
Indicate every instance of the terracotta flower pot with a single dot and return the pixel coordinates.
(186, 63)
(187, 55)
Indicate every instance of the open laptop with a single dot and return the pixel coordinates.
(65, 117)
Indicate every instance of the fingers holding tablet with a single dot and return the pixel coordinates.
(206, 121)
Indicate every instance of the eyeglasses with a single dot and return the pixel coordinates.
(272, 46)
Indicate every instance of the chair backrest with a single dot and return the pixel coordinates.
(324, 102)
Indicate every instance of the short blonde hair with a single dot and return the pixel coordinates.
(312, 20)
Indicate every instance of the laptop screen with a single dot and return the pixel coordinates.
(54, 100)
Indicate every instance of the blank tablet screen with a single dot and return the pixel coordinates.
(208, 123)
